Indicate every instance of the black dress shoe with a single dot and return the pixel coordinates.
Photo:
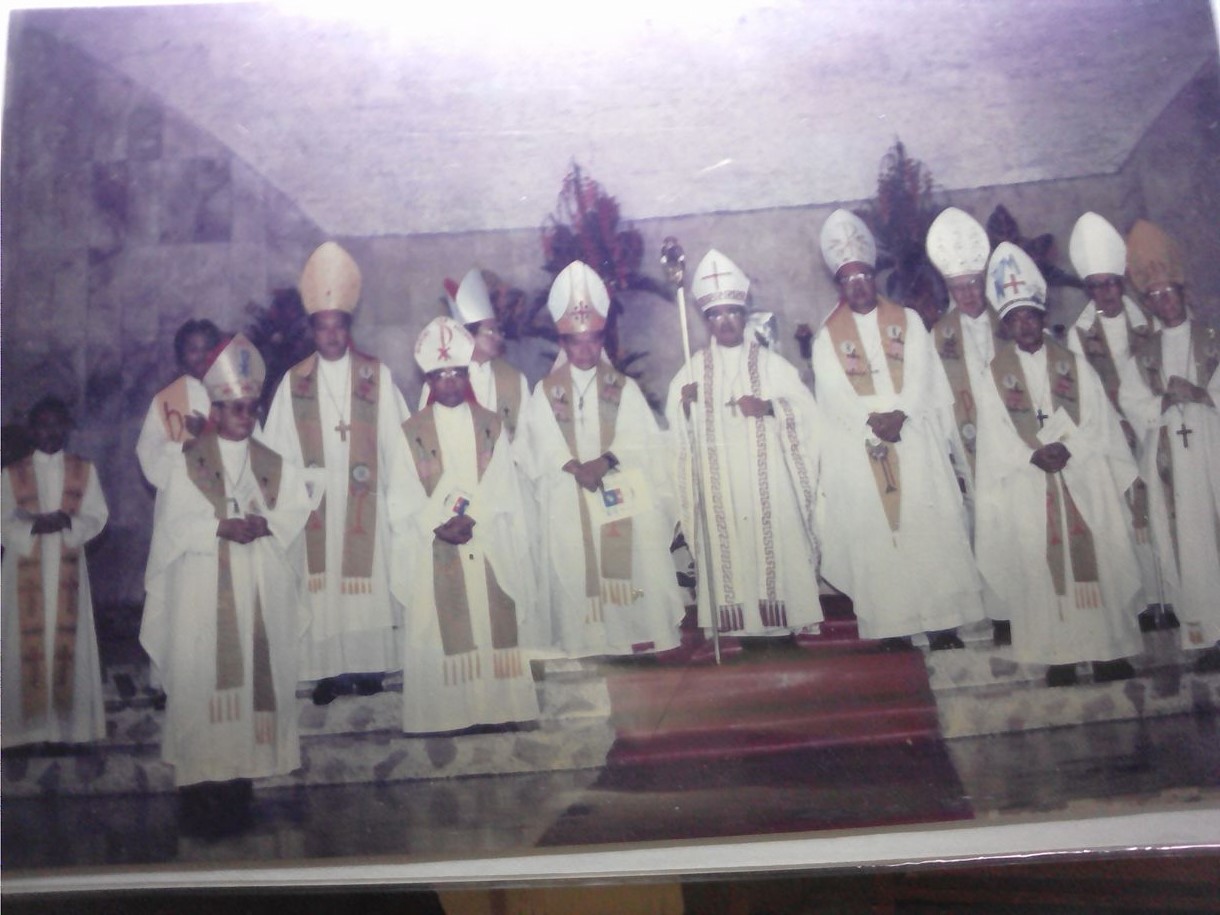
(1001, 632)
(1147, 618)
(944, 638)
(1061, 675)
(1209, 661)
(1108, 671)
(367, 684)
(897, 643)
(1168, 619)
(326, 691)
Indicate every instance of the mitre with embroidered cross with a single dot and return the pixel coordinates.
(957, 244)
(330, 280)
(847, 240)
(1096, 248)
(579, 300)
(237, 371)
(443, 344)
(718, 281)
(1014, 280)
(1153, 258)
(470, 302)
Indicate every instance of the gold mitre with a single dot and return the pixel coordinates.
(237, 371)
(1153, 258)
(330, 280)
(579, 300)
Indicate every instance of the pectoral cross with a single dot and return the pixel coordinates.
(236, 507)
(1042, 418)
(342, 428)
(732, 405)
(1185, 433)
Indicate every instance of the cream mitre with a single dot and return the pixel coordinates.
(443, 344)
(718, 281)
(1096, 248)
(957, 245)
(1014, 280)
(330, 280)
(472, 302)
(237, 371)
(578, 300)
(846, 240)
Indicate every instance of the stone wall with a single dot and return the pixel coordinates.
(121, 220)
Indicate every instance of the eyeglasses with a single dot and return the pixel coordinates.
(855, 278)
(735, 314)
(449, 374)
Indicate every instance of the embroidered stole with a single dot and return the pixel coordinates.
(360, 526)
(508, 394)
(1010, 381)
(611, 581)
(173, 405)
(30, 598)
(205, 468)
(729, 610)
(892, 321)
(1097, 350)
(1148, 354)
(950, 342)
(462, 663)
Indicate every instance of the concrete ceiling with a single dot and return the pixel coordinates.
(467, 117)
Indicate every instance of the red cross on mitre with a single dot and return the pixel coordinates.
(714, 276)
(582, 311)
(1013, 283)
(446, 338)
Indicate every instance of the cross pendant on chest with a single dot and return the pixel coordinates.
(342, 429)
(732, 405)
(1042, 418)
(1185, 433)
(236, 508)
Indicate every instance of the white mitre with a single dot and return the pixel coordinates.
(579, 300)
(1096, 247)
(957, 245)
(847, 240)
(472, 302)
(237, 371)
(443, 344)
(718, 281)
(330, 280)
(1014, 280)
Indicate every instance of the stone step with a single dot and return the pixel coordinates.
(982, 690)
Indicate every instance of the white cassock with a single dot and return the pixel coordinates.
(212, 734)
(760, 480)
(85, 719)
(346, 632)
(1109, 353)
(601, 624)
(486, 685)
(1049, 628)
(1188, 553)
(164, 430)
(922, 576)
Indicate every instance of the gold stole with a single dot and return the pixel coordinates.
(206, 470)
(30, 598)
(173, 406)
(1065, 393)
(448, 580)
(1149, 359)
(508, 394)
(950, 344)
(611, 582)
(360, 526)
(883, 456)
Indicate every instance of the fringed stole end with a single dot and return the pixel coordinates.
(317, 582)
(1088, 595)
(619, 591)
(225, 706)
(593, 613)
(507, 663)
(774, 614)
(264, 727)
(356, 586)
(732, 618)
(463, 668)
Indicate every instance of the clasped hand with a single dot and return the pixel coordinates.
(243, 530)
(589, 474)
(1051, 458)
(457, 530)
(887, 426)
(52, 522)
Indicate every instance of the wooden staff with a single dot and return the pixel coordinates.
(673, 260)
